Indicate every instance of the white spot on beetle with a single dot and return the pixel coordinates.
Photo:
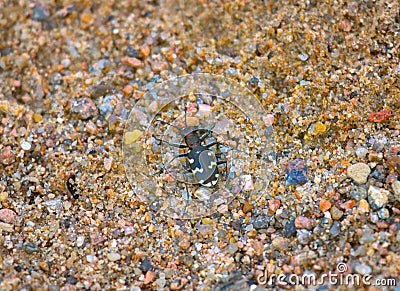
(216, 175)
(191, 161)
(208, 184)
(197, 170)
(214, 182)
(212, 164)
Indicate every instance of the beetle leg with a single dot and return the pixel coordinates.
(207, 133)
(173, 144)
(211, 144)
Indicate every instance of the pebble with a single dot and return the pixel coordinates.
(303, 222)
(90, 258)
(396, 189)
(146, 265)
(26, 146)
(205, 229)
(335, 229)
(84, 108)
(232, 248)
(132, 136)
(393, 163)
(358, 193)
(319, 127)
(274, 205)
(379, 173)
(280, 243)
(336, 213)
(80, 240)
(363, 269)
(149, 277)
(3, 196)
(248, 206)
(6, 227)
(377, 197)
(359, 172)
(7, 156)
(261, 222)
(361, 152)
(30, 247)
(296, 172)
(363, 206)
(248, 183)
(383, 213)
(7, 215)
(290, 229)
(37, 117)
(269, 120)
(367, 237)
(348, 204)
(158, 67)
(66, 63)
(303, 236)
(132, 52)
(106, 106)
(44, 266)
(380, 116)
(108, 163)
(40, 12)
(113, 257)
(132, 62)
(325, 205)
(72, 280)
(303, 57)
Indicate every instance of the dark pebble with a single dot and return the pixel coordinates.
(101, 90)
(335, 229)
(236, 224)
(379, 173)
(30, 247)
(261, 222)
(296, 173)
(146, 265)
(72, 280)
(17, 268)
(358, 193)
(40, 12)
(5, 52)
(132, 52)
(290, 229)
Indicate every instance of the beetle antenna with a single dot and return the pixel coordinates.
(185, 114)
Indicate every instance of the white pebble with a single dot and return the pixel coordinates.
(113, 257)
(26, 146)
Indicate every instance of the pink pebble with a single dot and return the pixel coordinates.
(204, 108)
(7, 215)
(269, 119)
(248, 183)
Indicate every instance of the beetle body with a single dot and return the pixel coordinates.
(200, 159)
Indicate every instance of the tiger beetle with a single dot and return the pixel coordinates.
(201, 160)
